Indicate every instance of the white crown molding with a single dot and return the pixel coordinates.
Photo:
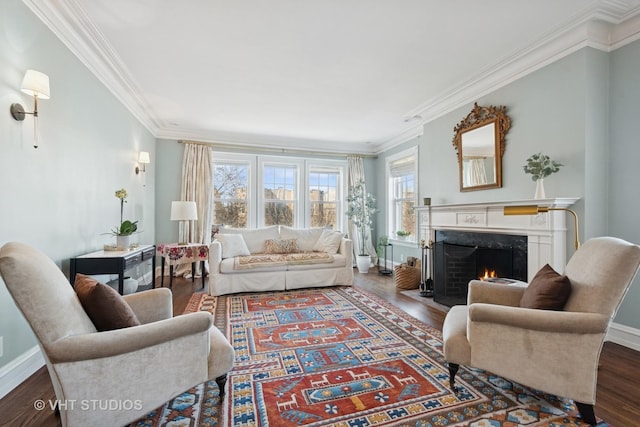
(68, 21)
(405, 136)
(594, 29)
(270, 142)
(608, 25)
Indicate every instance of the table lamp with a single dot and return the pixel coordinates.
(183, 211)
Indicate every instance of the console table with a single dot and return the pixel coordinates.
(113, 262)
(182, 253)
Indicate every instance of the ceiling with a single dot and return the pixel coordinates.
(332, 75)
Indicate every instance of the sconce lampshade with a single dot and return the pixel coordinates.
(143, 157)
(184, 211)
(36, 83)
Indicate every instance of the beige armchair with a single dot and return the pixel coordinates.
(553, 351)
(133, 370)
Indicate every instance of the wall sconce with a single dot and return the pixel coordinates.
(143, 159)
(183, 211)
(35, 84)
(534, 210)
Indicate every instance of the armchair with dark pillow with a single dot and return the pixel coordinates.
(141, 358)
(532, 336)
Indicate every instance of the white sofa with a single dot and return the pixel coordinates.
(244, 260)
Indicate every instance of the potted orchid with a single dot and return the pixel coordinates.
(361, 209)
(126, 228)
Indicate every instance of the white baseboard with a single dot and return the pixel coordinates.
(624, 335)
(19, 369)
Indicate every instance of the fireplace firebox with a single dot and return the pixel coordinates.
(459, 257)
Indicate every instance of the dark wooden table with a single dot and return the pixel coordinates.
(113, 262)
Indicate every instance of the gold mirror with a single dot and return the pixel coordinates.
(479, 142)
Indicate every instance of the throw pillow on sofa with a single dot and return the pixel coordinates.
(277, 246)
(233, 245)
(254, 238)
(307, 237)
(328, 242)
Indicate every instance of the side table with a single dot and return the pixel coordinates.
(176, 253)
(113, 262)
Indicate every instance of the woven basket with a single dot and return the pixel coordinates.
(407, 277)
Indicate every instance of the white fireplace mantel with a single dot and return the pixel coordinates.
(546, 232)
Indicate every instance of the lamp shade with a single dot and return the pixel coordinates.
(36, 83)
(184, 211)
(143, 157)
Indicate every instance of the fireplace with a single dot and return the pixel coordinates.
(460, 256)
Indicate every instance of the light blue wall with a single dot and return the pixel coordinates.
(583, 112)
(624, 183)
(60, 197)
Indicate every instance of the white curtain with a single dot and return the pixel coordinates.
(476, 173)
(197, 185)
(356, 174)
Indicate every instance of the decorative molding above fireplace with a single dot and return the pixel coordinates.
(546, 232)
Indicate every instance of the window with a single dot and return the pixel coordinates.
(324, 196)
(280, 200)
(255, 191)
(231, 193)
(402, 193)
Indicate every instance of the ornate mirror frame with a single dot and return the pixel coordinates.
(476, 120)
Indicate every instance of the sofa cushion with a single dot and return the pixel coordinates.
(548, 290)
(254, 238)
(339, 261)
(105, 306)
(328, 242)
(307, 237)
(232, 245)
(278, 246)
(227, 266)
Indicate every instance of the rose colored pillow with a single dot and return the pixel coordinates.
(104, 305)
(548, 290)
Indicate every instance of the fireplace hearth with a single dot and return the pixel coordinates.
(460, 256)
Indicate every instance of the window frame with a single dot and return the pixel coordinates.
(391, 195)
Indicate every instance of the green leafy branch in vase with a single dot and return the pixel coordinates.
(541, 166)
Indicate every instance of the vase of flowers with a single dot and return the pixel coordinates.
(361, 209)
(540, 166)
(126, 228)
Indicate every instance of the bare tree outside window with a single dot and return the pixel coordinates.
(230, 194)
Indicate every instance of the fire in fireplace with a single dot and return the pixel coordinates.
(462, 256)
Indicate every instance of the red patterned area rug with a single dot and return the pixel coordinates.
(343, 357)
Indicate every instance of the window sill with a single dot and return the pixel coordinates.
(403, 242)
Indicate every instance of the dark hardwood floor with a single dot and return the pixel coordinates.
(618, 400)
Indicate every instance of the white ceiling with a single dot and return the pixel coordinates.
(328, 75)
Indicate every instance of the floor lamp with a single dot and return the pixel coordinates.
(534, 210)
(183, 211)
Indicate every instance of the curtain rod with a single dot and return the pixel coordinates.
(240, 147)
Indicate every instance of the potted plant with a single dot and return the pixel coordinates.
(126, 228)
(361, 209)
(403, 234)
(540, 166)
